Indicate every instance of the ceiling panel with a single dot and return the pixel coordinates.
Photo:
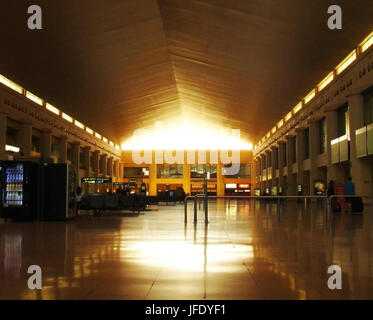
(119, 65)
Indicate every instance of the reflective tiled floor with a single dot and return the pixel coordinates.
(246, 252)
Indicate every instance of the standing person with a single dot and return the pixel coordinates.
(349, 190)
(336, 206)
(350, 187)
(331, 189)
(79, 197)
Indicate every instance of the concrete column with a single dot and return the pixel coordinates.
(281, 164)
(76, 155)
(3, 128)
(116, 170)
(63, 149)
(331, 134)
(86, 160)
(291, 182)
(314, 134)
(152, 179)
(104, 164)
(96, 163)
(274, 162)
(263, 166)
(254, 179)
(121, 166)
(46, 144)
(220, 188)
(361, 168)
(186, 178)
(269, 167)
(299, 149)
(110, 167)
(25, 139)
(76, 160)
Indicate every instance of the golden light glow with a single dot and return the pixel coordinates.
(288, 116)
(11, 84)
(268, 135)
(329, 78)
(90, 131)
(67, 117)
(280, 124)
(111, 143)
(297, 107)
(105, 139)
(310, 96)
(53, 109)
(97, 135)
(79, 124)
(185, 137)
(117, 147)
(34, 98)
(367, 43)
(346, 62)
(274, 129)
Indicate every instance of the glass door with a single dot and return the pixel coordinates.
(13, 186)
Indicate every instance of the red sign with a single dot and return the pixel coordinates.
(244, 186)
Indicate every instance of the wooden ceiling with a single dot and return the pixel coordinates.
(119, 65)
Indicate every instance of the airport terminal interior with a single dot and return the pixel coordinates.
(198, 149)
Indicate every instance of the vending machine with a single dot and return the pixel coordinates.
(19, 190)
(59, 194)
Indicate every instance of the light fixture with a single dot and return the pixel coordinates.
(34, 98)
(53, 109)
(367, 42)
(297, 108)
(310, 96)
(105, 139)
(288, 116)
(231, 186)
(11, 84)
(329, 78)
(111, 143)
(97, 135)
(346, 62)
(11, 148)
(90, 131)
(280, 123)
(67, 117)
(79, 124)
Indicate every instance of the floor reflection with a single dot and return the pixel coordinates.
(250, 250)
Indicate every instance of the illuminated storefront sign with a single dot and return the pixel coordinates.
(96, 180)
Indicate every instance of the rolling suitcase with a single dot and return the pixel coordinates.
(336, 206)
(357, 205)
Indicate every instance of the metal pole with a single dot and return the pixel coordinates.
(278, 206)
(206, 209)
(195, 209)
(326, 207)
(185, 210)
